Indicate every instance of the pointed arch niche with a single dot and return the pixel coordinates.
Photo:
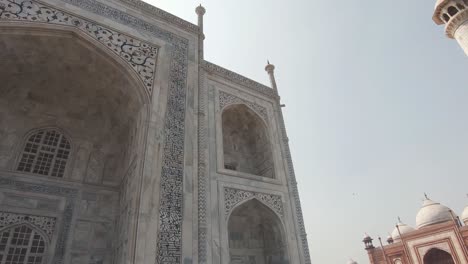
(246, 142)
(256, 235)
(438, 256)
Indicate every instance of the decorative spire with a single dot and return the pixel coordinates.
(200, 10)
(425, 196)
(399, 220)
(270, 68)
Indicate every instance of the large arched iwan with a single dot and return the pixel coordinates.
(256, 235)
(246, 142)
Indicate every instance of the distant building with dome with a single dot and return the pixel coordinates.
(440, 237)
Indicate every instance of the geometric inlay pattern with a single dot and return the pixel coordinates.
(44, 223)
(293, 189)
(233, 197)
(140, 55)
(202, 168)
(228, 99)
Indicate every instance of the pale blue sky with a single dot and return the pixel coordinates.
(376, 104)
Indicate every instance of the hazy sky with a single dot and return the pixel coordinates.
(376, 104)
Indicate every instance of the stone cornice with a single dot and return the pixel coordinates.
(161, 14)
(238, 79)
(455, 22)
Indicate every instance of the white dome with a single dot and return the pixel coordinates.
(432, 213)
(464, 216)
(404, 228)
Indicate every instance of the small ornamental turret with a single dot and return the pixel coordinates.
(368, 242)
(454, 14)
(389, 239)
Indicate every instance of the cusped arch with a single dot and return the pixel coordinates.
(436, 255)
(246, 141)
(256, 199)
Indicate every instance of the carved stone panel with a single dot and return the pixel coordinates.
(44, 223)
(239, 79)
(232, 197)
(228, 99)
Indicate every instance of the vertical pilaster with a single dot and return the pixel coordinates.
(292, 183)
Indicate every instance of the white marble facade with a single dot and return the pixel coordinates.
(119, 143)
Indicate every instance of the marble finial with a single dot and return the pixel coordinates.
(200, 10)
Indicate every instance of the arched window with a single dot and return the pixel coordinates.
(45, 152)
(446, 17)
(246, 142)
(452, 10)
(460, 6)
(22, 245)
(256, 235)
(437, 256)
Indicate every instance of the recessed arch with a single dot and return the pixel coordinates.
(256, 234)
(56, 76)
(438, 256)
(109, 90)
(246, 141)
(452, 10)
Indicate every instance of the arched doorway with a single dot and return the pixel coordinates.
(246, 142)
(438, 256)
(256, 235)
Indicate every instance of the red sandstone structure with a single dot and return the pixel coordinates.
(439, 238)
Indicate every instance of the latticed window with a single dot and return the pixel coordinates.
(22, 245)
(46, 152)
